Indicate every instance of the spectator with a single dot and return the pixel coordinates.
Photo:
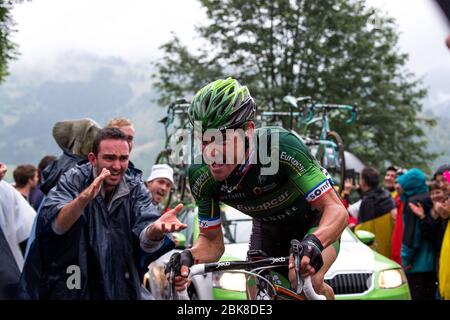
(397, 234)
(375, 211)
(444, 259)
(160, 182)
(16, 218)
(26, 178)
(100, 218)
(439, 177)
(437, 219)
(418, 256)
(345, 196)
(125, 126)
(75, 138)
(433, 225)
(3, 170)
(389, 180)
(36, 195)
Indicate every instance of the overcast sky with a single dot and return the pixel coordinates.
(134, 29)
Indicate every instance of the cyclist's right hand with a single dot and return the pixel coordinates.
(179, 264)
(310, 254)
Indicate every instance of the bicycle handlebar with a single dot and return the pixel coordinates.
(203, 268)
(329, 107)
(293, 101)
(309, 106)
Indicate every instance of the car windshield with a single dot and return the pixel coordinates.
(236, 226)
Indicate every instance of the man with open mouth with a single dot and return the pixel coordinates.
(295, 200)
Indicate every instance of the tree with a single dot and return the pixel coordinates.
(8, 49)
(336, 51)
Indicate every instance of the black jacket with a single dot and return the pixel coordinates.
(52, 173)
(375, 203)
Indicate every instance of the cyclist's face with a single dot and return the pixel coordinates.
(223, 154)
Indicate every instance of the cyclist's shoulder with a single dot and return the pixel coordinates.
(268, 130)
(288, 143)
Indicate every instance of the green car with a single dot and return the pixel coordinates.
(359, 273)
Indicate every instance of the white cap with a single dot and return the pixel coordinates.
(161, 171)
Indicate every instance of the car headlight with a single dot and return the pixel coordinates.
(229, 281)
(389, 279)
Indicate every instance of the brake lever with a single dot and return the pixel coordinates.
(174, 268)
(297, 253)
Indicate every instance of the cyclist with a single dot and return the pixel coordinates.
(298, 201)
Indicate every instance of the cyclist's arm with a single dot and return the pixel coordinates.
(315, 185)
(334, 218)
(209, 246)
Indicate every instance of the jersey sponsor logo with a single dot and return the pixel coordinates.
(274, 218)
(257, 190)
(198, 182)
(292, 161)
(319, 191)
(209, 223)
(260, 190)
(266, 205)
(277, 217)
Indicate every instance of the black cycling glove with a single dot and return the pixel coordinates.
(178, 259)
(311, 247)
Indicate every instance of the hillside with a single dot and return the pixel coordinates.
(31, 102)
(82, 85)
